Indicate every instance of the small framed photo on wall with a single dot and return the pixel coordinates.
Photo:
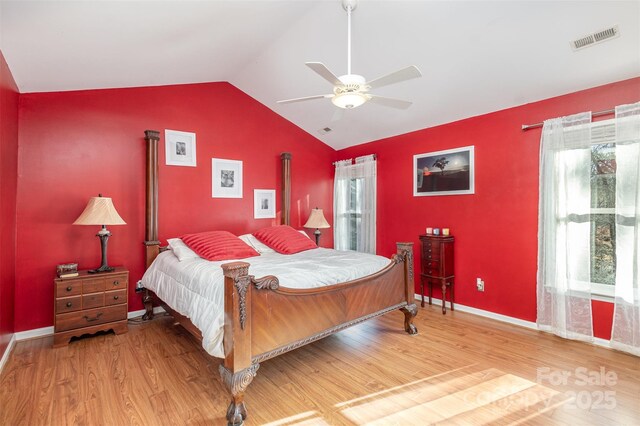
(264, 203)
(226, 178)
(180, 148)
(449, 172)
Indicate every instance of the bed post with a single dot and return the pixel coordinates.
(411, 310)
(237, 370)
(286, 187)
(152, 245)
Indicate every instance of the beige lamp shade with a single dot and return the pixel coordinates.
(99, 211)
(316, 220)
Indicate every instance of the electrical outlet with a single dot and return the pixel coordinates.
(480, 284)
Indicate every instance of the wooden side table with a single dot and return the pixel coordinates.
(437, 266)
(90, 303)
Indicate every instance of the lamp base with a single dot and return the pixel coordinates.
(101, 269)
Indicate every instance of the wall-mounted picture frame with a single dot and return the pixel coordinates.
(226, 178)
(264, 203)
(180, 148)
(449, 172)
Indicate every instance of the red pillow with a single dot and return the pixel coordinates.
(218, 245)
(284, 239)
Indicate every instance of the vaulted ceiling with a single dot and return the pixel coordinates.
(475, 56)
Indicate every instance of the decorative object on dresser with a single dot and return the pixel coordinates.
(437, 266)
(180, 148)
(67, 270)
(317, 220)
(100, 211)
(88, 303)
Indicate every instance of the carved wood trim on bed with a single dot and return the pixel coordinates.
(262, 319)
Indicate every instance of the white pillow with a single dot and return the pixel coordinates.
(256, 244)
(303, 232)
(181, 250)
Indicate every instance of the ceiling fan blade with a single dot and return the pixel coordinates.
(390, 102)
(395, 77)
(324, 72)
(306, 98)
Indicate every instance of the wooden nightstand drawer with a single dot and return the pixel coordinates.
(115, 297)
(89, 317)
(68, 304)
(117, 282)
(68, 288)
(92, 285)
(93, 300)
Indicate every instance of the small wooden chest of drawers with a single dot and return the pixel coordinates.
(436, 264)
(90, 303)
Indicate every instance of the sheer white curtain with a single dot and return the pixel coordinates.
(626, 319)
(564, 228)
(355, 205)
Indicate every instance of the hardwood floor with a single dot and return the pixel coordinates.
(460, 369)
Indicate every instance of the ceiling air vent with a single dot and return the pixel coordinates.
(595, 38)
(325, 130)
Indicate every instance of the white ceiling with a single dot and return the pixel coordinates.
(475, 56)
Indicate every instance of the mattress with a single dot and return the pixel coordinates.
(195, 287)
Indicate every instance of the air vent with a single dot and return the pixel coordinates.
(595, 38)
(325, 130)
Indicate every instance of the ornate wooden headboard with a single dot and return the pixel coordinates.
(151, 241)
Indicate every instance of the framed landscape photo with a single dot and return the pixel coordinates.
(449, 172)
(226, 178)
(180, 148)
(264, 203)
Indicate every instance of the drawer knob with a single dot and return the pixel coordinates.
(69, 304)
(93, 319)
(116, 297)
(69, 288)
(115, 283)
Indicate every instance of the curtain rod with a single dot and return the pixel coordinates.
(595, 114)
(375, 157)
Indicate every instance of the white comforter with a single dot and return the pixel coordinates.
(195, 287)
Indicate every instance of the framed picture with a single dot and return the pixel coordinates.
(180, 148)
(226, 178)
(449, 172)
(264, 203)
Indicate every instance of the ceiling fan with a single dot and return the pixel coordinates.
(352, 90)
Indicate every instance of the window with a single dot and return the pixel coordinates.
(603, 204)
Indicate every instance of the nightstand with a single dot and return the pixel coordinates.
(90, 303)
(437, 266)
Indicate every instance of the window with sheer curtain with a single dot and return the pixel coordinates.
(589, 216)
(355, 205)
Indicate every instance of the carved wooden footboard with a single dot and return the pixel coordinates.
(263, 320)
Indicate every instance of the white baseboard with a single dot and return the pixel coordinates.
(7, 352)
(504, 318)
(48, 331)
(32, 334)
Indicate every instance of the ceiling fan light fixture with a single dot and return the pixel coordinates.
(348, 100)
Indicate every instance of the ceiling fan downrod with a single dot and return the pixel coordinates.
(349, 6)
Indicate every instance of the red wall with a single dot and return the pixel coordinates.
(74, 145)
(496, 228)
(8, 187)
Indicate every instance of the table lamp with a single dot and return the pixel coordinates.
(317, 220)
(100, 211)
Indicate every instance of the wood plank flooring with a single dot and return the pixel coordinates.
(459, 370)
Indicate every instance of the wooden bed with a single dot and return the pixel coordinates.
(262, 319)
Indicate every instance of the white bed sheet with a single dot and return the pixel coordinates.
(195, 287)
